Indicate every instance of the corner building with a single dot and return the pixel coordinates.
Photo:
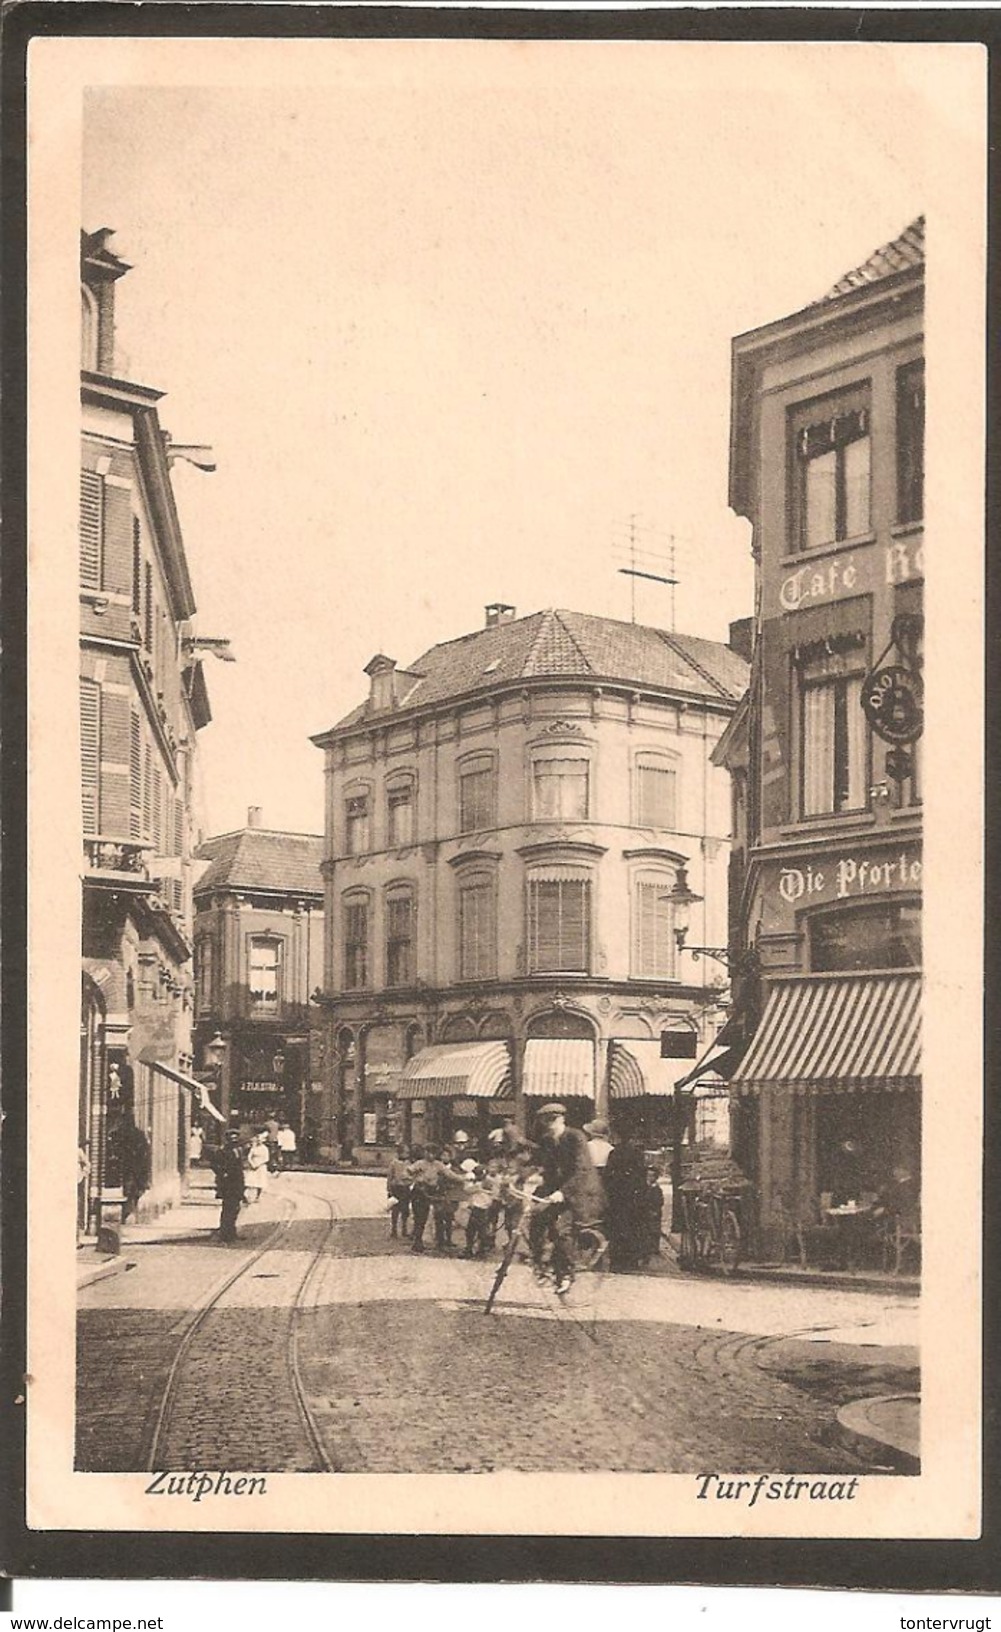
(827, 460)
(505, 821)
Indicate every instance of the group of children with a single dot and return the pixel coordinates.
(449, 1185)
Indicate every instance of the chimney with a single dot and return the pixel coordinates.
(382, 690)
(742, 638)
(254, 814)
(500, 612)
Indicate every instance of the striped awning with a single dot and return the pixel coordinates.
(837, 1034)
(458, 1071)
(558, 1068)
(199, 1089)
(636, 1070)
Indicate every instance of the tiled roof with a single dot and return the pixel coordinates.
(574, 644)
(900, 255)
(258, 859)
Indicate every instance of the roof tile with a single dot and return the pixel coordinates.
(897, 256)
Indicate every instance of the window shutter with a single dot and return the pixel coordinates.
(147, 791)
(177, 896)
(135, 778)
(476, 932)
(91, 528)
(178, 827)
(654, 931)
(656, 796)
(90, 752)
(559, 924)
(148, 620)
(137, 566)
(158, 810)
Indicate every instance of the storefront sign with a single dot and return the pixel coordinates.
(849, 876)
(891, 702)
(904, 560)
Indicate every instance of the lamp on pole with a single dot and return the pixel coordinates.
(214, 1057)
(682, 899)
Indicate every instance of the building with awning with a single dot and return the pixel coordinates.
(559, 1068)
(827, 465)
(832, 1034)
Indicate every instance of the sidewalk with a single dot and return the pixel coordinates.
(859, 1280)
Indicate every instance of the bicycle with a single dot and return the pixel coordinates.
(590, 1246)
(711, 1228)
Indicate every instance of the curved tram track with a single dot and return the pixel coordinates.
(234, 1397)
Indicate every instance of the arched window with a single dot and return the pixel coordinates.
(561, 783)
(655, 949)
(477, 925)
(559, 914)
(358, 818)
(477, 792)
(400, 809)
(655, 790)
(265, 970)
(355, 917)
(401, 935)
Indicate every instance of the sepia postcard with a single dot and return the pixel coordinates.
(505, 790)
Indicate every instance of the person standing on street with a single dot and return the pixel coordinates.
(286, 1147)
(229, 1185)
(398, 1191)
(425, 1171)
(573, 1189)
(257, 1167)
(598, 1143)
(625, 1186)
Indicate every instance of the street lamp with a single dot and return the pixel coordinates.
(682, 899)
(214, 1052)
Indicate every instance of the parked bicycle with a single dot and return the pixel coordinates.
(712, 1228)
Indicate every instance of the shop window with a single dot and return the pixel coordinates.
(882, 936)
(559, 925)
(358, 827)
(656, 792)
(355, 944)
(477, 930)
(654, 945)
(831, 469)
(911, 441)
(400, 916)
(91, 529)
(476, 794)
(560, 790)
(265, 973)
(400, 812)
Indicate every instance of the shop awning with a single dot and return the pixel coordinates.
(558, 1068)
(458, 1071)
(199, 1089)
(636, 1070)
(837, 1034)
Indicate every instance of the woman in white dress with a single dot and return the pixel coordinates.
(256, 1168)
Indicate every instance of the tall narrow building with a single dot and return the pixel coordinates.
(143, 701)
(827, 463)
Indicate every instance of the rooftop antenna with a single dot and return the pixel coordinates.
(644, 561)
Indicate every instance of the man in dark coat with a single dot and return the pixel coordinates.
(229, 1185)
(573, 1188)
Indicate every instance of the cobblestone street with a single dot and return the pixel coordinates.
(336, 1346)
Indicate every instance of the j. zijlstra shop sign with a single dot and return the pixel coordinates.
(849, 875)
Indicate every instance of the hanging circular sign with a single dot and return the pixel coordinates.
(893, 704)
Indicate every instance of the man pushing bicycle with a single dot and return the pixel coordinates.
(573, 1190)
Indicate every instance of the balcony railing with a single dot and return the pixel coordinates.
(116, 856)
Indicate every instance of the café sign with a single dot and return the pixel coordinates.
(817, 582)
(850, 876)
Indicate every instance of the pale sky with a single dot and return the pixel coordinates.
(450, 319)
